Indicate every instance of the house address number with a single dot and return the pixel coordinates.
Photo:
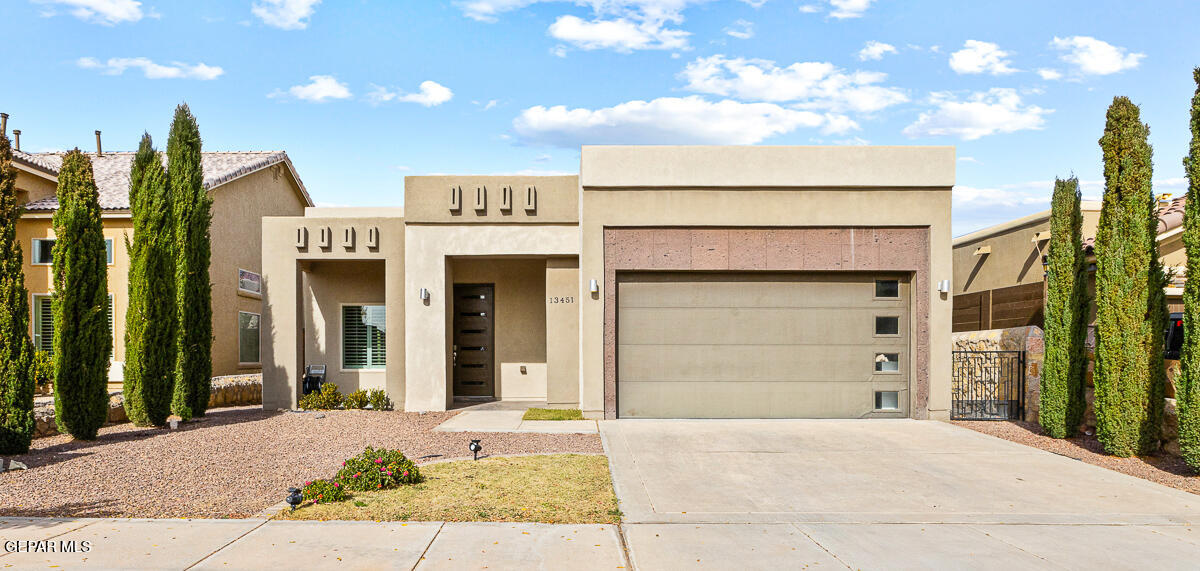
(556, 299)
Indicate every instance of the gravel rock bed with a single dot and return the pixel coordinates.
(233, 463)
(1163, 469)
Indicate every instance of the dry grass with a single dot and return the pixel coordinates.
(558, 488)
(553, 414)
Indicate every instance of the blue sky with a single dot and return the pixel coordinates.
(363, 92)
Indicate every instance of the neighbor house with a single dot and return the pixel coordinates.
(999, 272)
(661, 282)
(244, 186)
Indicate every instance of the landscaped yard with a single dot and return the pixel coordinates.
(233, 463)
(1164, 469)
(559, 488)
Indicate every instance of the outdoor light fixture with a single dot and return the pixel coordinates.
(944, 286)
(295, 497)
(594, 286)
(475, 447)
(424, 294)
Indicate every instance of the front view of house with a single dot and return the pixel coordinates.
(662, 282)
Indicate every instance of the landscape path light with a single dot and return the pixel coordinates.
(295, 497)
(475, 448)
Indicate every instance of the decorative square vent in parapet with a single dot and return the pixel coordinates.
(302, 237)
(530, 199)
(348, 238)
(455, 199)
(480, 199)
(506, 199)
(325, 237)
(372, 238)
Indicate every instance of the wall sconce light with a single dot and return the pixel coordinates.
(424, 294)
(944, 286)
(594, 286)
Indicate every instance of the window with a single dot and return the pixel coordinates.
(887, 362)
(887, 288)
(248, 338)
(249, 282)
(364, 345)
(887, 400)
(887, 325)
(43, 322)
(43, 251)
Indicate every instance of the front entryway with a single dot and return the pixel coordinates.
(473, 352)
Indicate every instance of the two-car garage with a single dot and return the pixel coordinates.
(763, 344)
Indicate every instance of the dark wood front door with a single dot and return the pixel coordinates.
(474, 341)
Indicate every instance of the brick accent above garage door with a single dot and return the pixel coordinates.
(859, 249)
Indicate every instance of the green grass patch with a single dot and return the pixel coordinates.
(558, 488)
(553, 414)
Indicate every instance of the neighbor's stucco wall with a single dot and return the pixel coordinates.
(328, 286)
(918, 195)
(427, 351)
(34, 187)
(236, 233)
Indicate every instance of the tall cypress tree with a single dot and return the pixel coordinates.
(1130, 308)
(150, 319)
(82, 340)
(1062, 396)
(193, 293)
(1187, 393)
(16, 352)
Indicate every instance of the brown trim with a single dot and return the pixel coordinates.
(883, 249)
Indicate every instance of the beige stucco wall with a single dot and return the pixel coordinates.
(562, 331)
(427, 199)
(328, 286)
(31, 186)
(237, 211)
(616, 183)
(520, 321)
(284, 283)
(427, 354)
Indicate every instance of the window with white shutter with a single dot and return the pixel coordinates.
(364, 343)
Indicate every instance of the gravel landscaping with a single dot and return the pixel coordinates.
(233, 463)
(1163, 469)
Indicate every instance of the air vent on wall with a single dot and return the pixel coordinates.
(372, 237)
(325, 237)
(530, 199)
(302, 237)
(506, 199)
(348, 238)
(480, 198)
(455, 199)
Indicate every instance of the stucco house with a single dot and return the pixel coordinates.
(999, 276)
(245, 187)
(661, 282)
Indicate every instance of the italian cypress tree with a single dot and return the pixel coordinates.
(150, 319)
(1187, 393)
(1062, 397)
(16, 352)
(192, 209)
(82, 340)
(1129, 298)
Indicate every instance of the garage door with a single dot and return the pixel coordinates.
(762, 345)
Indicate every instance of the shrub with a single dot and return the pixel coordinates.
(42, 369)
(16, 352)
(1062, 397)
(1187, 392)
(380, 469)
(323, 491)
(379, 400)
(355, 400)
(327, 398)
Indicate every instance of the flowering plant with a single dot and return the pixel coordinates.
(323, 491)
(377, 469)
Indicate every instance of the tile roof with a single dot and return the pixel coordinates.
(1170, 217)
(112, 172)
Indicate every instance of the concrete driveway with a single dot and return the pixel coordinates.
(881, 494)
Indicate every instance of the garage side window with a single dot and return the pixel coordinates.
(887, 289)
(364, 343)
(248, 339)
(887, 362)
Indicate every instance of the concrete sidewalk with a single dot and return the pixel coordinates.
(510, 421)
(259, 544)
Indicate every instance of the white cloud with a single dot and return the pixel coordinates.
(1049, 74)
(755, 3)
(848, 8)
(874, 50)
(981, 57)
(969, 160)
(1095, 57)
(431, 94)
(741, 30)
(285, 14)
(666, 120)
(105, 12)
(620, 34)
(810, 9)
(998, 110)
(320, 88)
(151, 70)
(542, 159)
(809, 85)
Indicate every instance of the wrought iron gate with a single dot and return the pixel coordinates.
(988, 385)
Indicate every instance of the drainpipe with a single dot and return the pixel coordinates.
(17, 136)
(99, 150)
